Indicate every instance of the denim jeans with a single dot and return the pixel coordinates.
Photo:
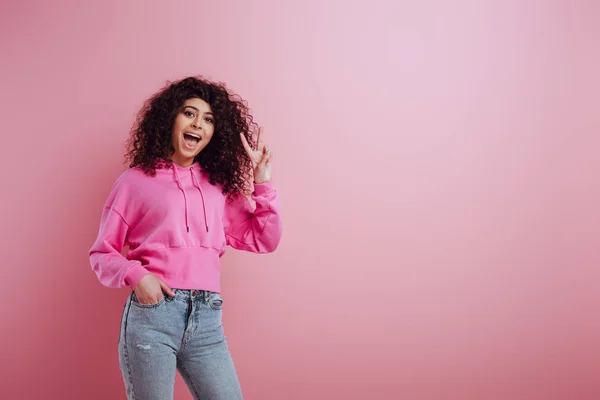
(181, 333)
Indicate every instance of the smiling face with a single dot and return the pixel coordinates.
(193, 128)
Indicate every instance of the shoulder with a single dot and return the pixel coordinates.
(128, 183)
(132, 176)
(127, 191)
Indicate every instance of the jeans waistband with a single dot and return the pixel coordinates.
(192, 293)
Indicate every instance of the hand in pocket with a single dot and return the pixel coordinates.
(150, 290)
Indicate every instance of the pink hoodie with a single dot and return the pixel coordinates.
(176, 225)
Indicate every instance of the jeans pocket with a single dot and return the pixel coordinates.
(136, 302)
(215, 301)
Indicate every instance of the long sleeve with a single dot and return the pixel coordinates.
(114, 270)
(256, 230)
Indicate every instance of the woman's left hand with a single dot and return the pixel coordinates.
(261, 158)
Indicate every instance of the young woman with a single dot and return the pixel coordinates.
(194, 162)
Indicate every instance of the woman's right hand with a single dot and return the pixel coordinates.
(150, 289)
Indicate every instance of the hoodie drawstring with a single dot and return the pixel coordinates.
(197, 185)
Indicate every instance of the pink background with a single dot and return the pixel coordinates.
(438, 170)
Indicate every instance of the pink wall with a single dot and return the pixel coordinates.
(438, 167)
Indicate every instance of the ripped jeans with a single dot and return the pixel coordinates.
(181, 333)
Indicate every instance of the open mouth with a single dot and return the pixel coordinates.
(191, 139)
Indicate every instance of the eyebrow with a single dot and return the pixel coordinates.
(208, 112)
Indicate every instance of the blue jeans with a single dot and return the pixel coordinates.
(181, 333)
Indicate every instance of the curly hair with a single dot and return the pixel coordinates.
(224, 158)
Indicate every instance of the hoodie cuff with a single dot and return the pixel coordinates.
(262, 189)
(135, 275)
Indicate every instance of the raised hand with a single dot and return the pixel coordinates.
(261, 158)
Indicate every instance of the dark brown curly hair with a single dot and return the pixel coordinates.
(224, 157)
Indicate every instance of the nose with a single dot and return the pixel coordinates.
(196, 123)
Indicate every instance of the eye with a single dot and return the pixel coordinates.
(188, 113)
(209, 120)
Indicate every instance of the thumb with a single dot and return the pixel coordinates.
(167, 289)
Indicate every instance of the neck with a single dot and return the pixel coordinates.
(182, 163)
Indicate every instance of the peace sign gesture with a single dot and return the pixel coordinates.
(261, 158)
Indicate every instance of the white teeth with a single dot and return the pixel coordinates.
(191, 134)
